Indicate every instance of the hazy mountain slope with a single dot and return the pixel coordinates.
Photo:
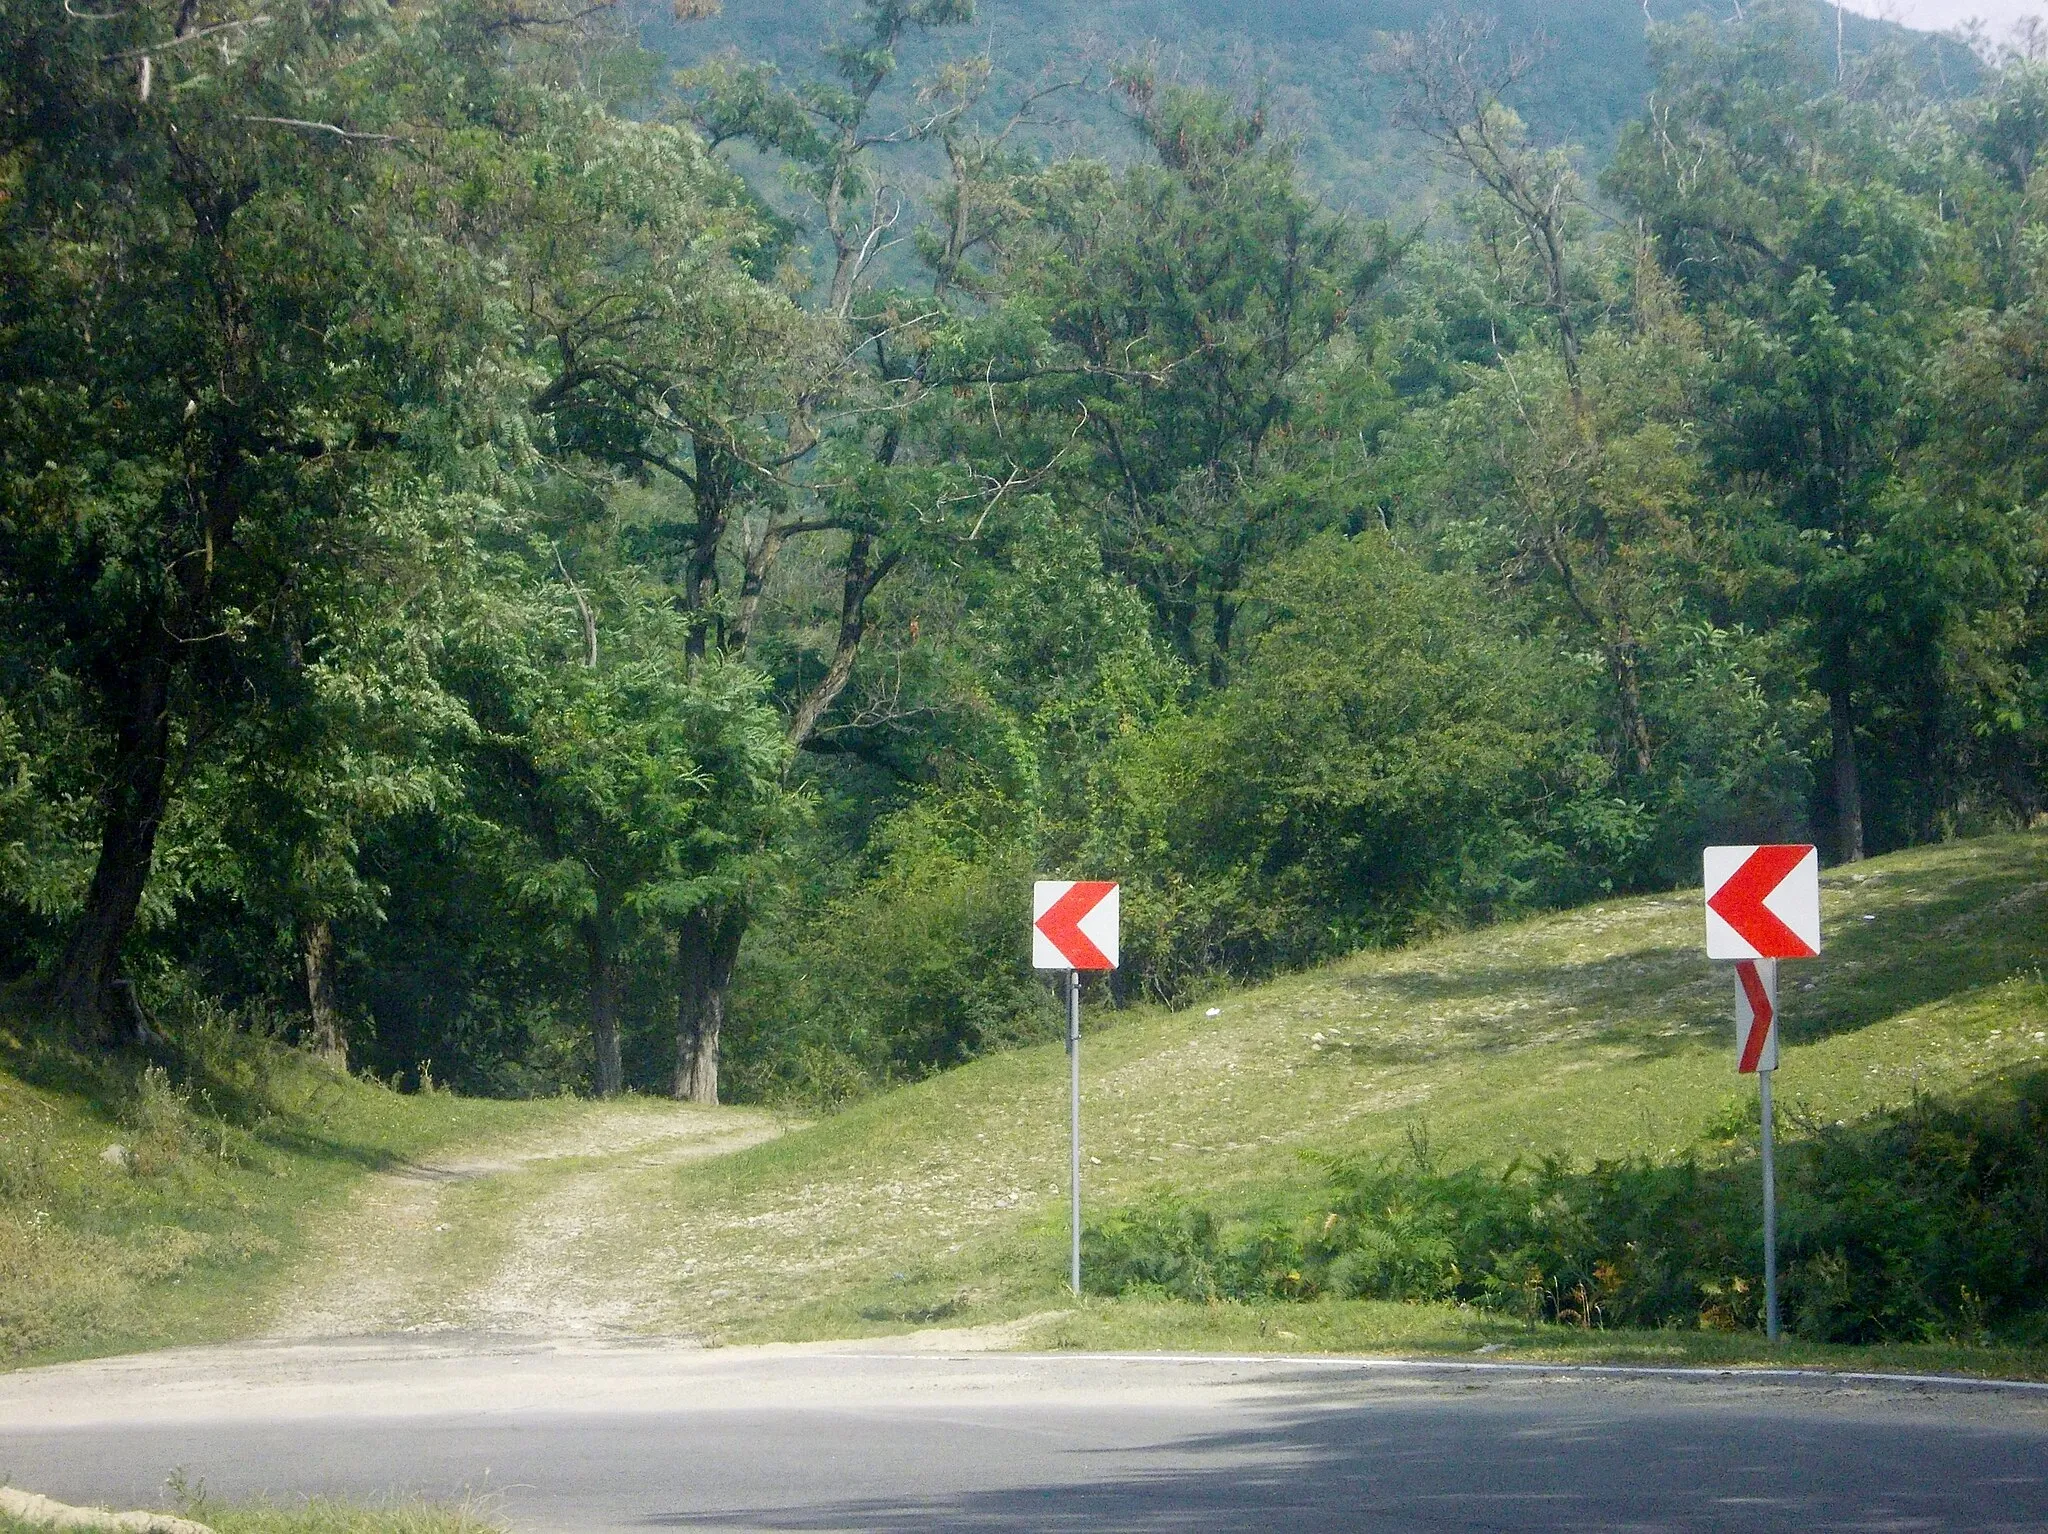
(1312, 56)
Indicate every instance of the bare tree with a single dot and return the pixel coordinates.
(1454, 78)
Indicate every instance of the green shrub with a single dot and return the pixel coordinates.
(1929, 1224)
(161, 1117)
(924, 966)
(1367, 775)
(1932, 1224)
(1160, 1246)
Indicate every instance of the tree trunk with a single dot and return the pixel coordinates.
(707, 947)
(1222, 627)
(316, 948)
(1848, 781)
(1628, 692)
(82, 990)
(760, 560)
(713, 492)
(1551, 244)
(604, 1006)
(863, 574)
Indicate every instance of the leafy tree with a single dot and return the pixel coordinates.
(1169, 320)
(368, 734)
(870, 496)
(1454, 87)
(667, 358)
(620, 783)
(1378, 765)
(1788, 217)
(241, 324)
(1595, 517)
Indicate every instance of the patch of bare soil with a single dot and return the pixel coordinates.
(540, 1237)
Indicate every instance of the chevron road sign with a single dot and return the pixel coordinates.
(1075, 925)
(1756, 1015)
(1763, 905)
(1763, 902)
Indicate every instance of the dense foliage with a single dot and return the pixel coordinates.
(1928, 1225)
(522, 565)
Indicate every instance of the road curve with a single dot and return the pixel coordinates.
(588, 1436)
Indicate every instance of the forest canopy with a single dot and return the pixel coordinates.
(524, 566)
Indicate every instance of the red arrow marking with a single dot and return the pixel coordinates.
(1740, 903)
(1760, 1013)
(1061, 924)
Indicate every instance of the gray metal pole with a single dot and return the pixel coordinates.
(1763, 1086)
(1074, 1105)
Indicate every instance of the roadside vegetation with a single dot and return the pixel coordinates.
(1579, 1063)
(1527, 1137)
(1923, 1222)
(145, 1204)
(313, 1516)
(323, 1516)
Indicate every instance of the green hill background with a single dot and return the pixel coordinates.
(1313, 58)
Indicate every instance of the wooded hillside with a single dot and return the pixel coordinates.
(525, 567)
(1311, 61)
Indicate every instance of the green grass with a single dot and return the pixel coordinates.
(1600, 1032)
(226, 1180)
(1594, 1033)
(1439, 1330)
(316, 1516)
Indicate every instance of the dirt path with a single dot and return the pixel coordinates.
(538, 1236)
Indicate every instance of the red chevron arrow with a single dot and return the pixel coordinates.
(1761, 1014)
(1061, 924)
(1740, 902)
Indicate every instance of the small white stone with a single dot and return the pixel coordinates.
(119, 1157)
(1213, 1012)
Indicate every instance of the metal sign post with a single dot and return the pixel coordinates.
(1074, 1110)
(1763, 905)
(1075, 925)
(1756, 1050)
(1763, 1087)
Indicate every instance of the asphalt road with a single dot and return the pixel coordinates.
(586, 1437)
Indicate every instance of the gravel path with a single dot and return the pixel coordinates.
(529, 1237)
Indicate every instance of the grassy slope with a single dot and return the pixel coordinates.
(1598, 1032)
(229, 1179)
